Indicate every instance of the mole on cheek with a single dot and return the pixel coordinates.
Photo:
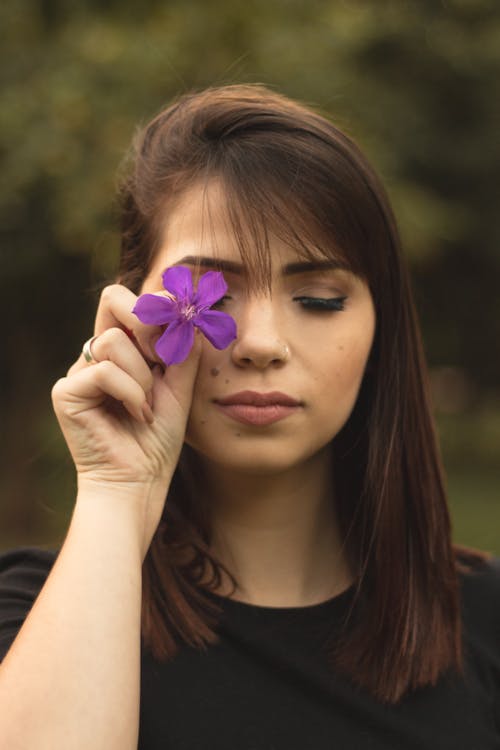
(214, 371)
(226, 381)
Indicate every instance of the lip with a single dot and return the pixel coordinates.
(258, 409)
(253, 398)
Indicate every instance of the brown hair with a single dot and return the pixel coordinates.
(290, 171)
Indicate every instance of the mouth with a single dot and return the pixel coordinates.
(252, 408)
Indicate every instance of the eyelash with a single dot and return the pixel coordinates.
(330, 304)
(221, 301)
(321, 304)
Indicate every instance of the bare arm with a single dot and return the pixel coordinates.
(71, 679)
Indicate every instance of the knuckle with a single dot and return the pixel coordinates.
(102, 371)
(113, 336)
(104, 368)
(109, 292)
(58, 389)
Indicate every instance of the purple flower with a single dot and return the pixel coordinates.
(188, 309)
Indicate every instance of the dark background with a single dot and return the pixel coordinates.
(414, 82)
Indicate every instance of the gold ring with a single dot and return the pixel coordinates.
(87, 351)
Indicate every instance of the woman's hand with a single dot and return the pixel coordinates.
(124, 417)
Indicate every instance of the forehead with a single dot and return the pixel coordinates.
(198, 225)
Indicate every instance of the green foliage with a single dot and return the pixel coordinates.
(413, 80)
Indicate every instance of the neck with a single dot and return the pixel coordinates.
(277, 534)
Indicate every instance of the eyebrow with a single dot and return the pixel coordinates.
(231, 266)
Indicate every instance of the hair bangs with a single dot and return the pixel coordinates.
(260, 206)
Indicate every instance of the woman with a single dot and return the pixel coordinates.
(259, 554)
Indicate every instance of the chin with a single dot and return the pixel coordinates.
(248, 457)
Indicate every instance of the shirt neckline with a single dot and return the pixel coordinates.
(333, 603)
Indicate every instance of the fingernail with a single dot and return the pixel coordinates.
(148, 413)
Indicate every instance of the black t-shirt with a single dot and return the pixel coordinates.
(266, 684)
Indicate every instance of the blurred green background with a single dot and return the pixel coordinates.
(414, 82)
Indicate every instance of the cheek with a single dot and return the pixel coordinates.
(343, 367)
(213, 378)
(213, 372)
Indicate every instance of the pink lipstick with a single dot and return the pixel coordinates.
(250, 407)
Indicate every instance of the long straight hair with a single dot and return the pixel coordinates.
(288, 171)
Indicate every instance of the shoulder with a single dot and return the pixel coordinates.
(480, 595)
(481, 581)
(26, 566)
(23, 571)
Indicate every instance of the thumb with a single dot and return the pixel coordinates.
(180, 378)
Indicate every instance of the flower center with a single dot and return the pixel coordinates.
(188, 311)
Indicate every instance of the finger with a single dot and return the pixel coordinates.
(114, 345)
(115, 310)
(82, 360)
(90, 387)
(179, 379)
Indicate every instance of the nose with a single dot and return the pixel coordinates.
(260, 339)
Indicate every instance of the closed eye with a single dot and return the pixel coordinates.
(321, 303)
(220, 302)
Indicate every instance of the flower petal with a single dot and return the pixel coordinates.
(175, 344)
(155, 310)
(218, 327)
(211, 287)
(178, 281)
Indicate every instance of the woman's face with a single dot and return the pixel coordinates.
(313, 355)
